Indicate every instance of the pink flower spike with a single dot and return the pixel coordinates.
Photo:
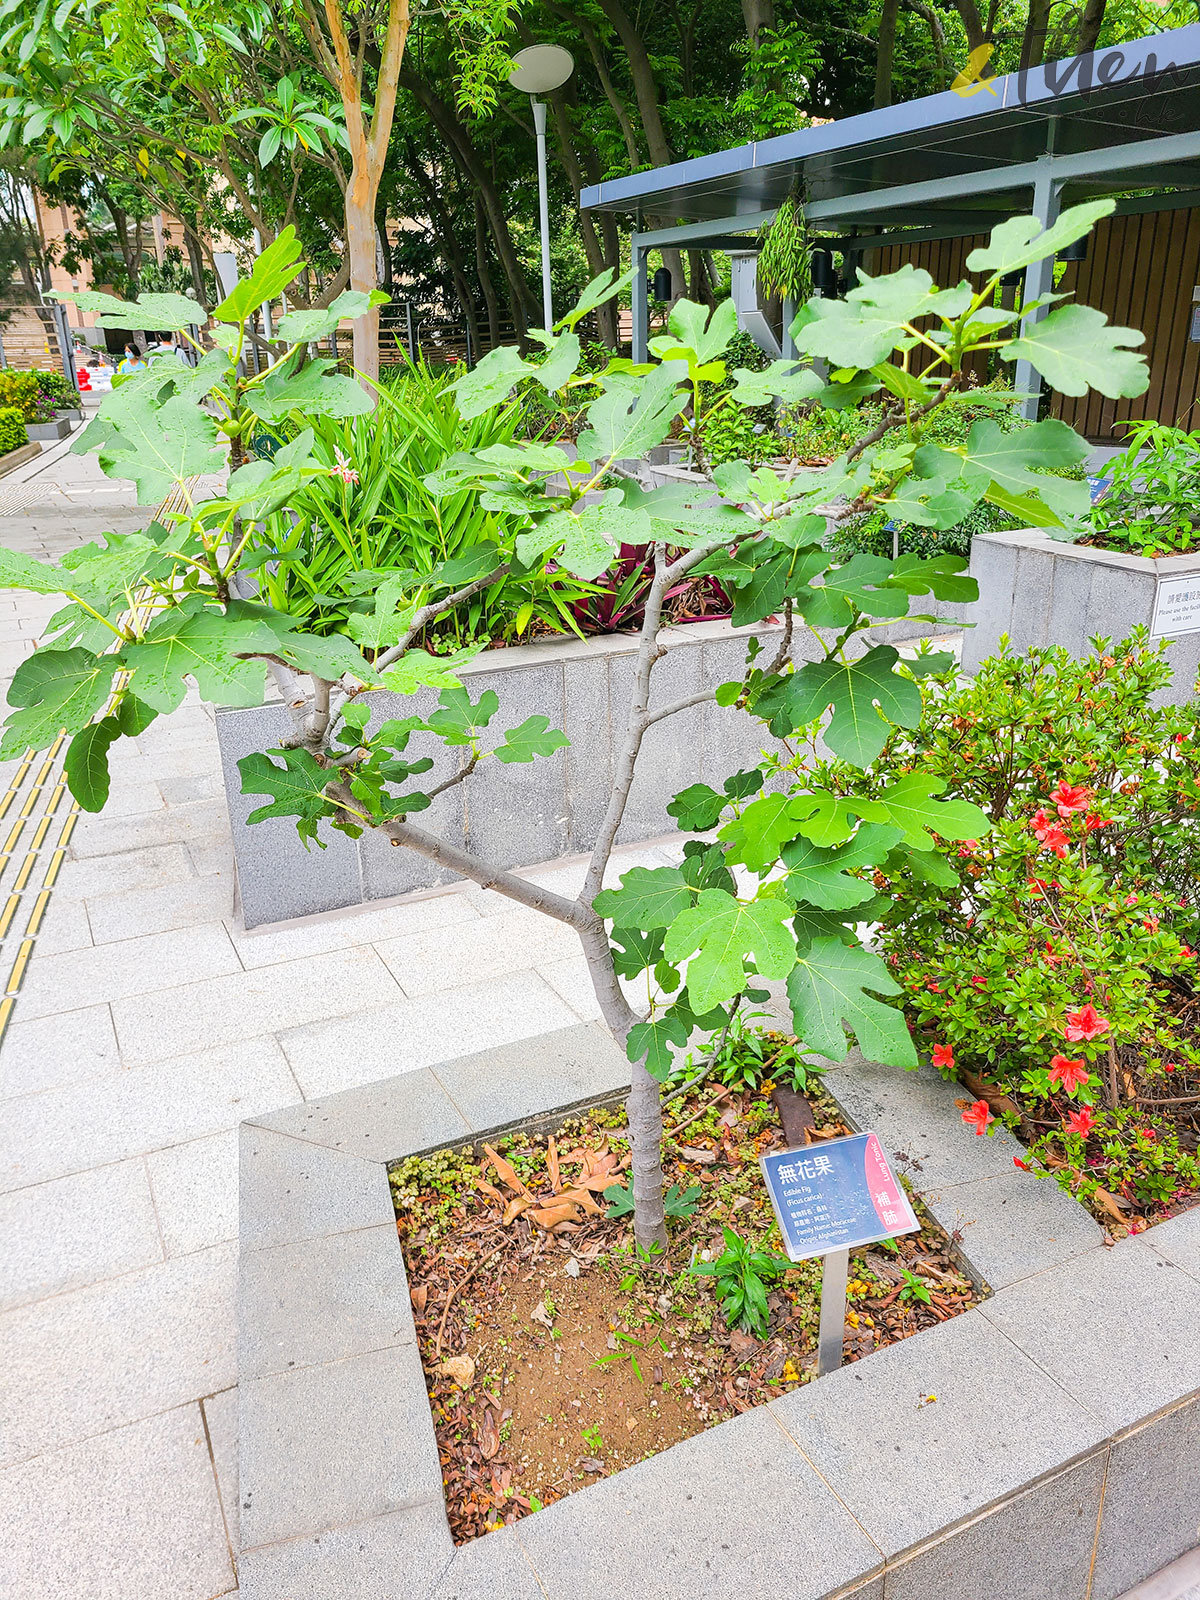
(1086, 1023)
(343, 469)
(979, 1116)
(943, 1055)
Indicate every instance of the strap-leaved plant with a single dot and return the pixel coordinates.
(773, 880)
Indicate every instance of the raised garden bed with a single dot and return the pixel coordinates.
(517, 815)
(18, 457)
(57, 428)
(554, 1361)
(1044, 1437)
(1040, 591)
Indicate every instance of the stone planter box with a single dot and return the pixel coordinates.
(1041, 592)
(1041, 1446)
(18, 457)
(58, 428)
(511, 815)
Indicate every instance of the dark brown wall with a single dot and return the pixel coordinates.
(1140, 272)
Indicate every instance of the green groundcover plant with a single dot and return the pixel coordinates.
(13, 433)
(692, 939)
(1051, 962)
(1151, 503)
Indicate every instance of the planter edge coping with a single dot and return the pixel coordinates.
(317, 1169)
(1037, 539)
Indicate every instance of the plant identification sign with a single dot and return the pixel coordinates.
(836, 1195)
(1176, 607)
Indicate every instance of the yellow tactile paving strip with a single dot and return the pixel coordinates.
(30, 809)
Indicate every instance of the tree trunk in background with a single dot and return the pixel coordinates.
(644, 84)
(759, 17)
(1089, 26)
(885, 52)
(368, 151)
(195, 251)
(467, 158)
(972, 23)
(483, 271)
(449, 250)
(1033, 40)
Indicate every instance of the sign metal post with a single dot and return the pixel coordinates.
(834, 1278)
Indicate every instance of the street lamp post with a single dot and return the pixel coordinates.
(540, 69)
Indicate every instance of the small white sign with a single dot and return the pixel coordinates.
(1176, 607)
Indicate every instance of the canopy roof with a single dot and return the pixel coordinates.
(1106, 123)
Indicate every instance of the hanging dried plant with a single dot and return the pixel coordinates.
(785, 259)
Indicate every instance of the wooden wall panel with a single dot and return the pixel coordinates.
(1140, 271)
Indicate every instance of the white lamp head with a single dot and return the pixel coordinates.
(541, 68)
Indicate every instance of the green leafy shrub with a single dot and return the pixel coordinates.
(12, 429)
(1151, 506)
(57, 390)
(875, 535)
(22, 391)
(1052, 963)
(744, 1277)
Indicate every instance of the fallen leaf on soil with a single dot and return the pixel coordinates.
(705, 1158)
(542, 1315)
(460, 1368)
(515, 1207)
(582, 1199)
(489, 1436)
(571, 1268)
(631, 1423)
(490, 1190)
(1116, 1208)
(742, 1344)
(552, 1163)
(551, 1216)
(590, 1464)
(506, 1173)
(418, 1296)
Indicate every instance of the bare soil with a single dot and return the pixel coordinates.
(554, 1357)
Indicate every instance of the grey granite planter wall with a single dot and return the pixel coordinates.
(1042, 1446)
(511, 815)
(1041, 592)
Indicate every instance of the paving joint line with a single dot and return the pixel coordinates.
(34, 794)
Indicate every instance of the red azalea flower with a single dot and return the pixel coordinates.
(1186, 950)
(1091, 822)
(1049, 834)
(1147, 1133)
(943, 1055)
(1081, 1121)
(980, 983)
(1086, 1023)
(1051, 959)
(1024, 1165)
(1131, 899)
(979, 1115)
(1150, 924)
(1070, 797)
(1170, 1067)
(1068, 1073)
(934, 988)
(1180, 737)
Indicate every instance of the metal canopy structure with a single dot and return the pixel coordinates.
(1108, 123)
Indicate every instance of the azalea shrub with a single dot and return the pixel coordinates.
(1051, 963)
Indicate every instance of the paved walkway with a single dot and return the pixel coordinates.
(149, 1024)
(147, 1027)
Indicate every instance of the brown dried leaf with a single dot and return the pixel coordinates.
(549, 1216)
(489, 1435)
(515, 1207)
(1115, 1207)
(552, 1163)
(506, 1173)
(491, 1191)
(459, 1368)
(582, 1199)
(418, 1296)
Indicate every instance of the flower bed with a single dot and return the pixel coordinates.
(554, 1359)
(1052, 965)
